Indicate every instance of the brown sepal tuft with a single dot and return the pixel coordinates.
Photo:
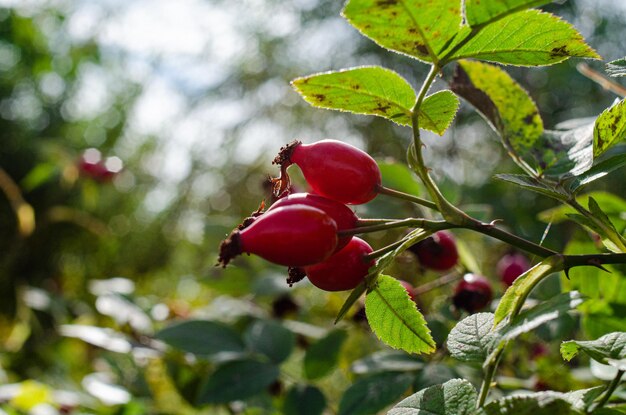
(295, 275)
(229, 249)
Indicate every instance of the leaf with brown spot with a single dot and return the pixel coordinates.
(417, 28)
(610, 128)
(373, 90)
(527, 38)
(479, 12)
(502, 102)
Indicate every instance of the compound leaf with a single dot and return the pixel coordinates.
(270, 339)
(417, 28)
(479, 12)
(455, 397)
(202, 337)
(610, 128)
(304, 400)
(527, 38)
(394, 317)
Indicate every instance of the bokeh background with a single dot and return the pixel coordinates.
(193, 97)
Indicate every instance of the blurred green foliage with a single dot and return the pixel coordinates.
(90, 270)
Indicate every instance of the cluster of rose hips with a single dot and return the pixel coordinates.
(91, 164)
(303, 230)
(311, 232)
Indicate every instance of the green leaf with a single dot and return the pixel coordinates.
(598, 171)
(373, 90)
(202, 337)
(581, 399)
(417, 28)
(565, 153)
(535, 185)
(394, 317)
(386, 361)
(617, 67)
(610, 128)
(612, 205)
(607, 349)
(527, 38)
(479, 12)
(372, 394)
(237, 380)
(515, 296)
(541, 403)
(541, 314)
(455, 397)
(304, 400)
(322, 356)
(355, 294)
(370, 90)
(472, 339)
(270, 339)
(504, 104)
(437, 111)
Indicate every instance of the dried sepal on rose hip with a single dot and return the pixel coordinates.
(294, 236)
(332, 168)
(344, 270)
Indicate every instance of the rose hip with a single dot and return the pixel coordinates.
(333, 169)
(472, 293)
(437, 252)
(344, 270)
(343, 216)
(295, 236)
(512, 266)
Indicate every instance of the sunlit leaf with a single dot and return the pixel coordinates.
(610, 128)
(505, 105)
(417, 28)
(479, 12)
(515, 296)
(394, 318)
(455, 397)
(371, 90)
(527, 38)
(437, 111)
(598, 171)
(608, 348)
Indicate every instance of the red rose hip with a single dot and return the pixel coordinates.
(512, 266)
(333, 169)
(343, 216)
(344, 270)
(295, 236)
(472, 293)
(437, 252)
